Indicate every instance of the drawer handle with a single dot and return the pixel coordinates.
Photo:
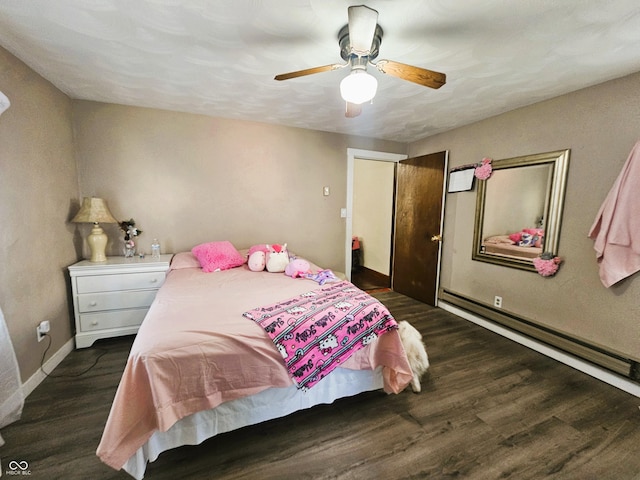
(93, 304)
(154, 280)
(94, 323)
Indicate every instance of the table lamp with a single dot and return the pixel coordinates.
(94, 210)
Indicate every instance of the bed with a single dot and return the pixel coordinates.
(503, 245)
(198, 367)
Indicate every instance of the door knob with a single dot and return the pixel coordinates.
(436, 238)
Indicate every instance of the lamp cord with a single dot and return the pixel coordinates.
(103, 352)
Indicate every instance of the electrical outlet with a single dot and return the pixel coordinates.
(43, 329)
(497, 301)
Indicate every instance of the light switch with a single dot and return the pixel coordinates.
(343, 213)
(325, 191)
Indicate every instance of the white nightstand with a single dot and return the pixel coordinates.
(112, 298)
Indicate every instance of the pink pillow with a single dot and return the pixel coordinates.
(184, 260)
(215, 256)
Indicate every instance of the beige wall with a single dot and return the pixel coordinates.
(373, 211)
(184, 178)
(600, 125)
(38, 191)
(187, 179)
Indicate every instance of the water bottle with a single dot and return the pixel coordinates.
(155, 249)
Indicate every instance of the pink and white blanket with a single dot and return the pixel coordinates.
(318, 330)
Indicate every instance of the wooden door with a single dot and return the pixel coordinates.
(418, 223)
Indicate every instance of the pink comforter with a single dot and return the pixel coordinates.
(195, 351)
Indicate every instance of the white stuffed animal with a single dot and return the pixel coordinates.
(257, 261)
(277, 258)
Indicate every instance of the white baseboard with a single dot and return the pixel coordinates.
(55, 359)
(606, 376)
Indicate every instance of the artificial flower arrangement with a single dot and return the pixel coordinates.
(483, 169)
(546, 264)
(130, 232)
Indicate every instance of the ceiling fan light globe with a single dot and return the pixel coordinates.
(358, 87)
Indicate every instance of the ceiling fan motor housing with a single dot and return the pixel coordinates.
(345, 44)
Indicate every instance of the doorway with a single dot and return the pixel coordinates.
(407, 271)
(352, 155)
(373, 205)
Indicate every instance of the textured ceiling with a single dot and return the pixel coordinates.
(219, 57)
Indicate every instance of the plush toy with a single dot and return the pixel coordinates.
(528, 237)
(297, 267)
(277, 258)
(262, 247)
(257, 261)
(257, 257)
(538, 236)
(322, 277)
(526, 240)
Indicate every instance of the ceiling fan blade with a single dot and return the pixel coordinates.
(309, 71)
(352, 110)
(362, 26)
(418, 75)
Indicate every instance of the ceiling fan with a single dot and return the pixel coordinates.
(359, 42)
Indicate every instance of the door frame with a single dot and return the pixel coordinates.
(352, 154)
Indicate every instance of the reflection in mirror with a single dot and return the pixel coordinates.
(519, 208)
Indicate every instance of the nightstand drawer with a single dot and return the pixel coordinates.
(111, 283)
(114, 319)
(94, 302)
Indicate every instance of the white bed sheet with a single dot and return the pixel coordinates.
(266, 405)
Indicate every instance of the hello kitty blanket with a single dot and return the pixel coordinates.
(318, 330)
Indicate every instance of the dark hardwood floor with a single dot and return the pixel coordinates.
(489, 409)
(369, 280)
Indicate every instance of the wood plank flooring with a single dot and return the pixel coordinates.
(489, 409)
(368, 280)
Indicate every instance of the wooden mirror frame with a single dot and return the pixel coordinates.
(559, 161)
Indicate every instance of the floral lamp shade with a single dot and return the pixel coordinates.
(94, 210)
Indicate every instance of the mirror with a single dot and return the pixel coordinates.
(519, 209)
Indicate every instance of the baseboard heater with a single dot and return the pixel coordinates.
(592, 353)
